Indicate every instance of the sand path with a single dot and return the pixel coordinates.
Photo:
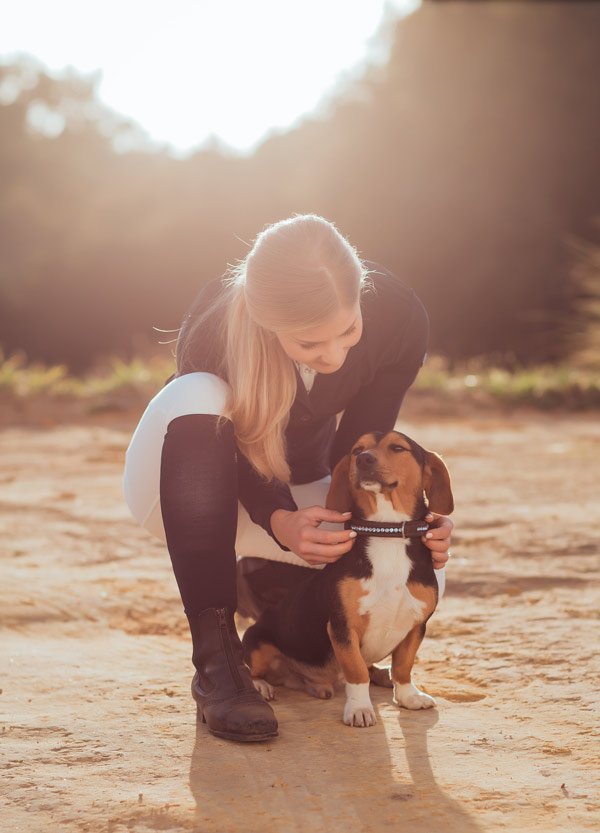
(98, 729)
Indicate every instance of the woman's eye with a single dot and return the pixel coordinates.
(312, 346)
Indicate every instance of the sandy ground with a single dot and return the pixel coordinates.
(98, 728)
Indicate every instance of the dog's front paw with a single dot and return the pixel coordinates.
(359, 715)
(264, 688)
(359, 710)
(409, 696)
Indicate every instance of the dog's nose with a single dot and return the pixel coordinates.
(365, 460)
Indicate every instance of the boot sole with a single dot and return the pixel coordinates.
(231, 735)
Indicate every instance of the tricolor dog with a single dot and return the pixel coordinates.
(374, 600)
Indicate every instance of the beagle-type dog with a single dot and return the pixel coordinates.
(374, 600)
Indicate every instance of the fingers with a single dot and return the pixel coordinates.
(321, 546)
(437, 539)
(320, 513)
(438, 536)
(440, 560)
(326, 536)
(316, 553)
(437, 545)
(437, 522)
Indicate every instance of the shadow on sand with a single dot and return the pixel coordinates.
(320, 774)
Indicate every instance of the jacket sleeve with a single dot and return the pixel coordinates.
(260, 497)
(376, 405)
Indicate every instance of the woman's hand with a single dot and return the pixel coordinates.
(438, 538)
(299, 531)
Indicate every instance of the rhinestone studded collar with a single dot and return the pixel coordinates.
(404, 529)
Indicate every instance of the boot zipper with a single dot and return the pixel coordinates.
(225, 637)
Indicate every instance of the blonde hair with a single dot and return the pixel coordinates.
(298, 274)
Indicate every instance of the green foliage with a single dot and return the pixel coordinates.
(545, 386)
(25, 379)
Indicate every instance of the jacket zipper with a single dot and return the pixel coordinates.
(225, 638)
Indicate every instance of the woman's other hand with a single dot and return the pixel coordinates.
(438, 538)
(300, 532)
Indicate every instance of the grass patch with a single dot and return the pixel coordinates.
(546, 386)
(543, 386)
(24, 379)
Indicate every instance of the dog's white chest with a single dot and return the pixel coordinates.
(392, 610)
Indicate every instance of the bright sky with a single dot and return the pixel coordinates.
(186, 69)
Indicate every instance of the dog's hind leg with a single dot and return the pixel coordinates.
(380, 676)
(403, 656)
(260, 657)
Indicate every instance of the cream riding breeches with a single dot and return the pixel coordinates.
(204, 393)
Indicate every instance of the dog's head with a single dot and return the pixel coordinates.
(395, 466)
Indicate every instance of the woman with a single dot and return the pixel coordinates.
(232, 459)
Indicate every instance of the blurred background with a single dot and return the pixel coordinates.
(143, 147)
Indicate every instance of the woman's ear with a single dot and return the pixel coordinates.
(436, 483)
(339, 496)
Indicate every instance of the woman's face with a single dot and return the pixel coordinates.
(324, 348)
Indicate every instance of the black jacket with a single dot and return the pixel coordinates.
(368, 388)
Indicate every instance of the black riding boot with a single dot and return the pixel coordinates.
(222, 686)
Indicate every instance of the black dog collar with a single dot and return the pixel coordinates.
(404, 529)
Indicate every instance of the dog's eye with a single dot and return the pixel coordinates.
(398, 448)
(356, 451)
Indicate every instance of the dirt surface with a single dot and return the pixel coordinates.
(98, 728)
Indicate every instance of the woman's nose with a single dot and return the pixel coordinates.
(334, 359)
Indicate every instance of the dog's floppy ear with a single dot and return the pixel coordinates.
(436, 483)
(339, 496)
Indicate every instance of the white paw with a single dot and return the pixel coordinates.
(264, 688)
(359, 715)
(409, 696)
(358, 710)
